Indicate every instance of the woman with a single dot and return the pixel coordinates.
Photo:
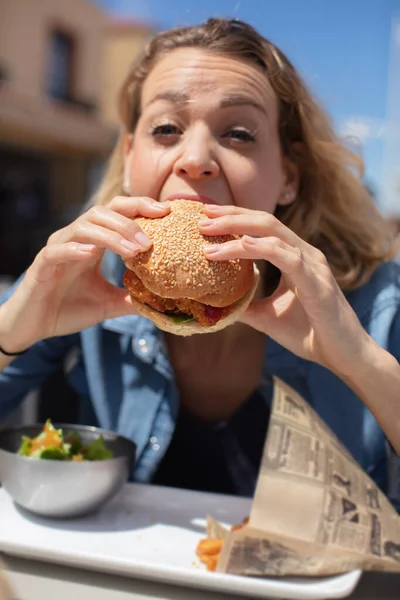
(217, 113)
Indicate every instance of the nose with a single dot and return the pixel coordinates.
(196, 160)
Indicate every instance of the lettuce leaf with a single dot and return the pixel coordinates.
(51, 453)
(25, 446)
(97, 450)
(70, 446)
(181, 318)
(74, 440)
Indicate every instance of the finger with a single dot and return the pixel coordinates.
(262, 315)
(118, 217)
(133, 207)
(257, 312)
(286, 258)
(253, 223)
(84, 231)
(118, 303)
(47, 260)
(216, 210)
(311, 278)
(127, 228)
(266, 314)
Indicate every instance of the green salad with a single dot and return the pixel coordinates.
(52, 444)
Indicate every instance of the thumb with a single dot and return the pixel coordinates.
(258, 314)
(119, 302)
(262, 312)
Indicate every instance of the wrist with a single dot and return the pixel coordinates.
(12, 353)
(367, 373)
(12, 341)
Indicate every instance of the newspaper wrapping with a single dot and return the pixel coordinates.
(314, 511)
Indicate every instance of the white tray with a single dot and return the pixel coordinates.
(151, 532)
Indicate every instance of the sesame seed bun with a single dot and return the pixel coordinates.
(176, 267)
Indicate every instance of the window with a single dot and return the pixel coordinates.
(61, 55)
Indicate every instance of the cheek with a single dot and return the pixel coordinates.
(258, 185)
(147, 171)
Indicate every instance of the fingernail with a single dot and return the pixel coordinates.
(212, 249)
(129, 245)
(250, 241)
(205, 222)
(211, 207)
(158, 206)
(142, 239)
(87, 248)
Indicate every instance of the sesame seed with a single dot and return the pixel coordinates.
(177, 254)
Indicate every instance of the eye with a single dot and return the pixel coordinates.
(166, 130)
(240, 134)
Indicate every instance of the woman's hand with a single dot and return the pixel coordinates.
(64, 290)
(308, 313)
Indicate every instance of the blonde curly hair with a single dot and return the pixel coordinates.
(334, 210)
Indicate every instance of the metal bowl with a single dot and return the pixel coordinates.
(63, 489)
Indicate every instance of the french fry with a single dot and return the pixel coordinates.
(209, 549)
(243, 523)
(212, 562)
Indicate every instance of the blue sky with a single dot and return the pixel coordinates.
(341, 47)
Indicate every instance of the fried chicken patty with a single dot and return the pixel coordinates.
(202, 313)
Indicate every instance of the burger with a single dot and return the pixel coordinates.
(175, 286)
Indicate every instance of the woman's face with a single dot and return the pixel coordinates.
(209, 131)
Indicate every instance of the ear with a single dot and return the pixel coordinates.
(128, 143)
(291, 181)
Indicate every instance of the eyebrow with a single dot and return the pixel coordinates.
(226, 102)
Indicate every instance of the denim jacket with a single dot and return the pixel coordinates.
(121, 370)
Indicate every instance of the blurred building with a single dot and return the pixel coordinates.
(125, 40)
(61, 65)
(52, 134)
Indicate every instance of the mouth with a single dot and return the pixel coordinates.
(194, 197)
